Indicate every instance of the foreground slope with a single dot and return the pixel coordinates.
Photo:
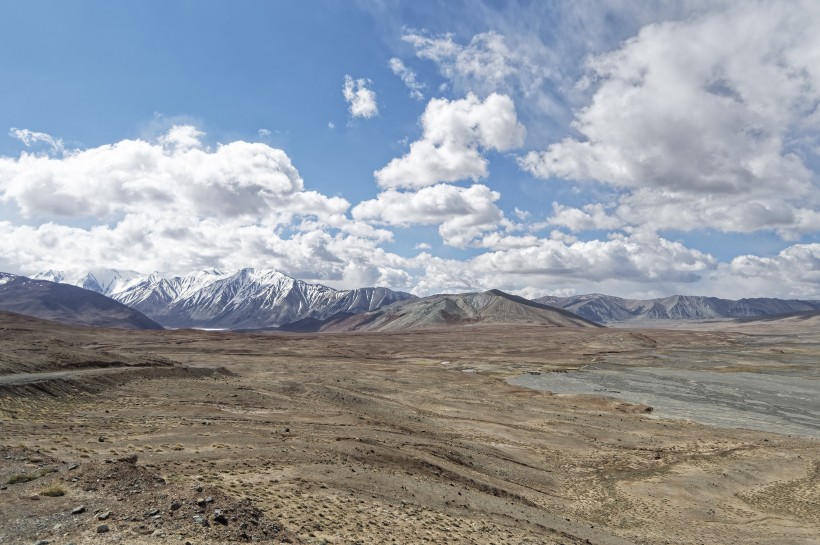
(608, 309)
(491, 307)
(67, 304)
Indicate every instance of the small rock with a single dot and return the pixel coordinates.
(101, 439)
(198, 489)
(153, 512)
(102, 528)
(78, 510)
(73, 467)
(220, 518)
(200, 502)
(175, 505)
(130, 459)
(34, 497)
(104, 515)
(202, 521)
(42, 542)
(209, 499)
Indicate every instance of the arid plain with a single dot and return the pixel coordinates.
(416, 437)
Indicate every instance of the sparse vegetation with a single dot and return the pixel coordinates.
(28, 477)
(53, 491)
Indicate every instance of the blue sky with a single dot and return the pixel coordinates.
(561, 147)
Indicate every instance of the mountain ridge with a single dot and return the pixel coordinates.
(492, 307)
(610, 309)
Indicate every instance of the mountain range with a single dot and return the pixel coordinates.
(245, 299)
(67, 304)
(491, 307)
(608, 309)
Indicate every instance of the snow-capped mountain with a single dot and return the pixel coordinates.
(105, 281)
(246, 299)
(608, 309)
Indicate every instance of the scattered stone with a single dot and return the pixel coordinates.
(153, 512)
(34, 497)
(200, 502)
(101, 439)
(102, 528)
(42, 542)
(175, 505)
(209, 499)
(202, 521)
(78, 510)
(104, 515)
(73, 467)
(220, 517)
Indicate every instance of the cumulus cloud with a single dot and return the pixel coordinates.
(174, 173)
(454, 135)
(361, 100)
(174, 204)
(625, 264)
(793, 273)
(703, 122)
(462, 214)
(407, 76)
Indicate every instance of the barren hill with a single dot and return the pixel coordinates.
(491, 307)
(67, 304)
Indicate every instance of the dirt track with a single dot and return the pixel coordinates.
(408, 438)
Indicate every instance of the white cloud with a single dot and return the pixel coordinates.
(462, 214)
(408, 77)
(792, 273)
(486, 64)
(331, 125)
(175, 205)
(362, 100)
(621, 265)
(703, 123)
(588, 217)
(454, 135)
(264, 133)
(174, 173)
(28, 138)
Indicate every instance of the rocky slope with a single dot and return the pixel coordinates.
(491, 307)
(67, 304)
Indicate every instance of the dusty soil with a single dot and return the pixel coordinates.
(386, 438)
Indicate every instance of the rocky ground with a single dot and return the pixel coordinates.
(387, 438)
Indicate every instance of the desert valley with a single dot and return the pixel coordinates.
(479, 418)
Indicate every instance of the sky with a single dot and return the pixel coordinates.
(638, 149)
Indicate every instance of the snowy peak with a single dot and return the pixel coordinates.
(105, 281)
(246, 299)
